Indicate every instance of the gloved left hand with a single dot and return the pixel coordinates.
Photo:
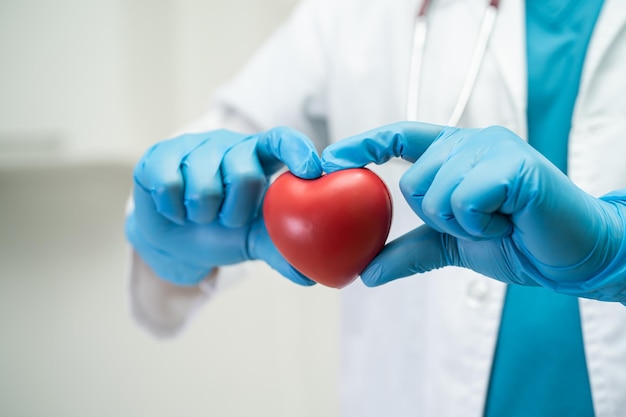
(197, 201)
(493, 204)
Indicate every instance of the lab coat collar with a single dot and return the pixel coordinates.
(611, 22)
(508, 46)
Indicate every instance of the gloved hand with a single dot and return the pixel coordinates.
(197, 201)
(492, 203)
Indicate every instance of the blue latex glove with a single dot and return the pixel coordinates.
(492, 203)
(197, 201)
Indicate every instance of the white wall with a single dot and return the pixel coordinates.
(96, 81)
(61, 76)
(178, 51)
(108, 77)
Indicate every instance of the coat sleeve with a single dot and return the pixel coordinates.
(283, 84)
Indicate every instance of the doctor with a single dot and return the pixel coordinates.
(451, 342)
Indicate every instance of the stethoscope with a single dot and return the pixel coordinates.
(417, 58)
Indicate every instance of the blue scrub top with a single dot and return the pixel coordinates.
(539, 368)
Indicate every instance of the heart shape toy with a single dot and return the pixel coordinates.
(329, 228)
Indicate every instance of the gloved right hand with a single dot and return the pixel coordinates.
(197, 201)
(492, 203)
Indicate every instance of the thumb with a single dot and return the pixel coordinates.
(420, 250)
(406, 140)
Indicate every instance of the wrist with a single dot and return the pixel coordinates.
(602, 274)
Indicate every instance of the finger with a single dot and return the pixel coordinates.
(145, 215)
(406, 140)
(416, 182)
(260, 246)
(244, 184)
(444, 173)
(457, 186)
(478, 199)
(201, 168)
(421, 250)
(282, 145)
(158, 173)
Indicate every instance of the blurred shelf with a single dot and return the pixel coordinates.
(13, 161)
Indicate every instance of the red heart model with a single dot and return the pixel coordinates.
(329, 228)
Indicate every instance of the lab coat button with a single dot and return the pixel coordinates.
(477, 293)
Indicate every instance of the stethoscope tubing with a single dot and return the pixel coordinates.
(420, 33)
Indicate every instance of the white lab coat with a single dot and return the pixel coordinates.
(421, 346)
